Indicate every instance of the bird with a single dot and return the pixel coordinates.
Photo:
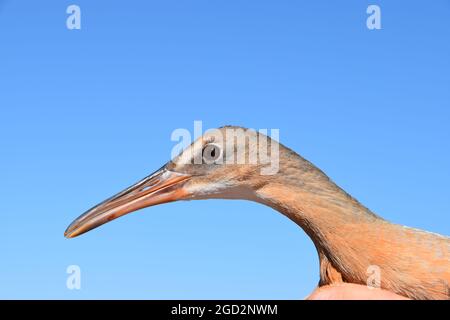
(349, 238)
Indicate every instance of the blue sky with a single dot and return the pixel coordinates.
(85, 113)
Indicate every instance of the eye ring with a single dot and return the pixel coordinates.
(211, 153)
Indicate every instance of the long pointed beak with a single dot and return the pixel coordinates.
(160, 187)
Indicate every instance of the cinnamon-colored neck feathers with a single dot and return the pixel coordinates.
(351, 241)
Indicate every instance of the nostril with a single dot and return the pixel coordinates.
(150, 184)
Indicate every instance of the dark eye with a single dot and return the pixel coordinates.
(211, 153)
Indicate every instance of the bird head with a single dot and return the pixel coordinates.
(225, 163)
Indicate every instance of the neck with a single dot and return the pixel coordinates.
(351, 241)
(331, 218)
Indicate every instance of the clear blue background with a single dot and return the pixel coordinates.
(85, 113)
